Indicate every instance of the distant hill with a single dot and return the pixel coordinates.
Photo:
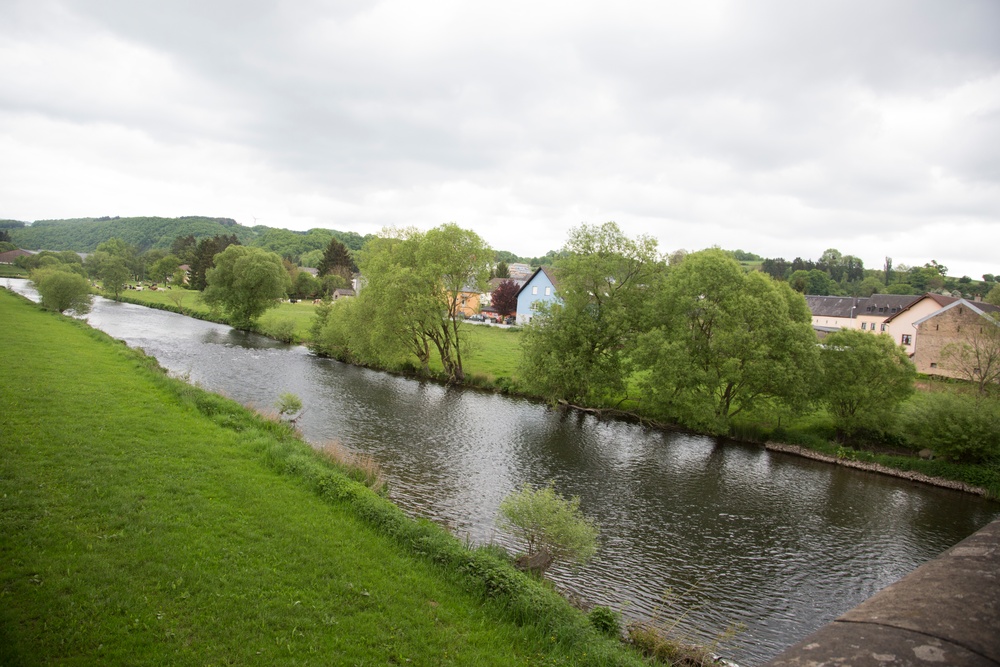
(85, 234)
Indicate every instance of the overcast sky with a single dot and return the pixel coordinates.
(779, 127)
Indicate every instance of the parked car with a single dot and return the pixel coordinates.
(476, 318)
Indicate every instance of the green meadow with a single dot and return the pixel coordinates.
(144, 521)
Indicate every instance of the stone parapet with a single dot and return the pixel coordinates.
(946, 612)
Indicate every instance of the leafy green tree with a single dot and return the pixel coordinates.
(721, 340)
(581, 349)
(245, 282)
(410, 302)
(868, 286)
(502, 270)
(993, 296)
(552, 527)
(865, 378)
(114, 275)
(164, 268)
(304, 286)
(62, 289)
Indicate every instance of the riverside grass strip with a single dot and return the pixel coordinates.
(143, 521)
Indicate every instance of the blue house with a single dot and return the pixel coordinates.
(540, 287)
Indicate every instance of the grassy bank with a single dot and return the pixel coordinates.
(147, 522)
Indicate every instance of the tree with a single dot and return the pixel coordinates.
(504, 297)
(337, 259)
(245, 282)
(204, 258)
(114, 274)
(502, 270)
(411, 298)
(62, 289)
(164, 268)
(865, 378)
(721, 340)
(551, 526)
(868, 286)
(993, 296)
(581, 348)
(976, 358)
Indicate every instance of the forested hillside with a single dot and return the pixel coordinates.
(145, 233)
(85, 234)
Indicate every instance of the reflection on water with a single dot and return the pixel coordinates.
(778, 543)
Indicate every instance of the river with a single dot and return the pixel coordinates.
(710, 531)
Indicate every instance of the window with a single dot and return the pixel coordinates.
(907, 339)
(881, 310)
(534, 290)
(933, 364)
(864, 326)
(548, 291)
(885, 327)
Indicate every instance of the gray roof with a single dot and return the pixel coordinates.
(885, 305)
(832, 306)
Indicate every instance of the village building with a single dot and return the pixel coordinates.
(540, 287)
(972, 323)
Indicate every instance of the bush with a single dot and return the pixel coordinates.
(958, 428)
(606, 621)
(279, 328)
(552, 527)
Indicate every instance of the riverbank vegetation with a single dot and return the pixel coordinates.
(145, 520)
(694, 340)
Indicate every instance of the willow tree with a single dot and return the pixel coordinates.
(409, 302)
(721, 340)
(580, 347)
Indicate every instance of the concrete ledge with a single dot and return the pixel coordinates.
(946, 612)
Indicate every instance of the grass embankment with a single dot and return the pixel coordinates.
(144, 521)
(11, 271)
(494, 355)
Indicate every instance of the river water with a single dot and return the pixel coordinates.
(708, 531)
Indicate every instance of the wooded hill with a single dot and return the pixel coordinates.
(145, 233)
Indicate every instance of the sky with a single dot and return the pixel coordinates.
(779, 127)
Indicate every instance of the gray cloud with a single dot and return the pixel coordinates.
(785, 128)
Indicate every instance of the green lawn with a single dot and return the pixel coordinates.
(143, 521)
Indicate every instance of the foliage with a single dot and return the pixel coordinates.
(245, 283)
(337, 260)
(288, 404)
(958, 428)
(85, 234)
(410, 301)
(993, 296)
(62, 290)
(550, 525)
(976, 358)
(164, 268)
(114, 275)
(204, 259)
(722, 340)
(580, 349)
(607, 621)
(504, 297)
(865, 378)
(276, 327)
